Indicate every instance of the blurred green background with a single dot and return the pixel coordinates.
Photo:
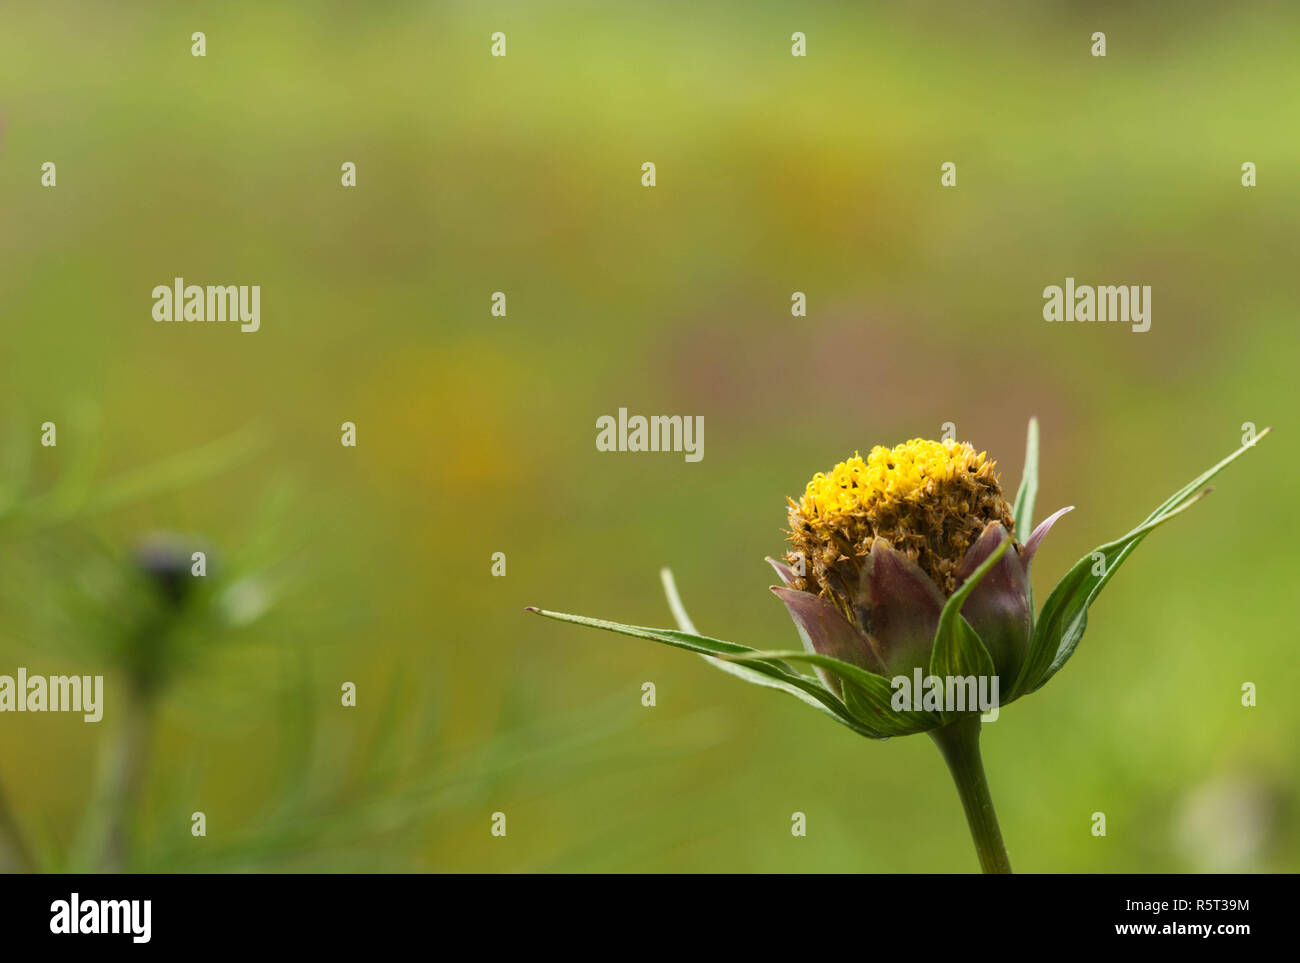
(476, 434)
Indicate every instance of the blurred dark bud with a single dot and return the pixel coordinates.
(167, 560)
(171, 601)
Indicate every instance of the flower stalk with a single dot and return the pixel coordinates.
(960, 744)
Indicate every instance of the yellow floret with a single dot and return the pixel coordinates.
(887, 477)
(929, 499)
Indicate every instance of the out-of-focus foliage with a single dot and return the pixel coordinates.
(475, 433)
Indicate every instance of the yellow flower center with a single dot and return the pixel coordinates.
(888, 478)
(930, 499)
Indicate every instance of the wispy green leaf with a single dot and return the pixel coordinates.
(868, 695)
(1064, 616)
(740, 671)
(1023, 512)
(778, 676)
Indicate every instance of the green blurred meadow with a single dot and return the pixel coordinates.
(475, 433)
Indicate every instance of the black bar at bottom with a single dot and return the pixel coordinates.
(337, 913)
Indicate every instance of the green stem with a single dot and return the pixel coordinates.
(960, 744)
(128, 766)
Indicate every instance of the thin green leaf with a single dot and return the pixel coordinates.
(682, 640)
(1023, 512)
(1064, 617)
(743, 672)
(1180, 496)
(782, 677)
(866, 693)
(675, 601)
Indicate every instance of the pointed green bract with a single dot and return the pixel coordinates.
(868, 695)
(965, 655)
(754, 677)
(1181, 495)
(741, 671)
(958, 650)
(873, 703)
(682, 640)
(1064, 617)
(1023, 512)
(778, 676)
(675, 601)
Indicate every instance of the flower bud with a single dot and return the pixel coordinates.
(887, 539)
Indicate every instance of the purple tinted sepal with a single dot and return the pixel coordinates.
(998, 607)
(783, 571)
(1036, 537)
(898, 607)
(826, 632)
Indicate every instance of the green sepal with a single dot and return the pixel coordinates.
(1023, 512)
(958, 650)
